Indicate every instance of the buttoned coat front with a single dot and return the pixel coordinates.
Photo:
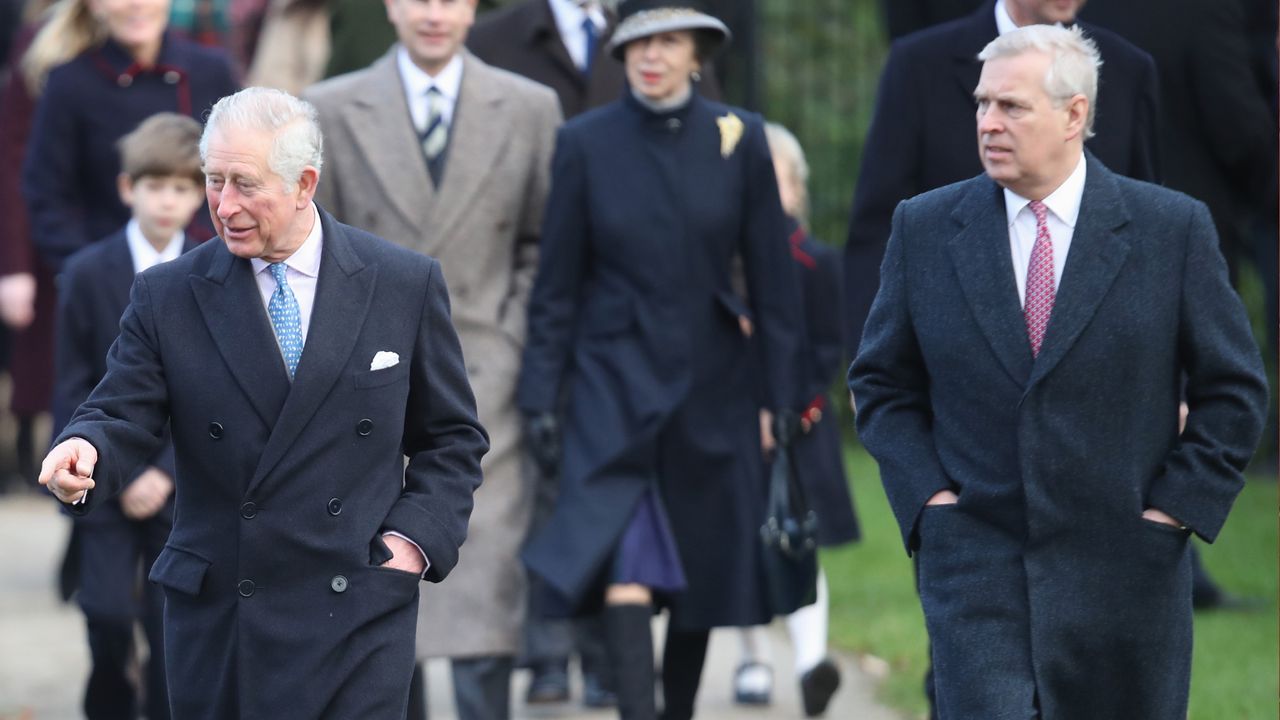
(482, 224)
(276, 606)
(1045, 569)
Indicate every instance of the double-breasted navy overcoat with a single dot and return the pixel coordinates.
(276, 604)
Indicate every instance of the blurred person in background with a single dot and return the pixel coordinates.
(130, 68)
(816, 453)
(27, 298)
(632, 377)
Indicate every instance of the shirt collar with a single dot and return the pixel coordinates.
(416, 81)
(1064, 202)
(1004, 23)
(306, 259)
(142, 252)
(569, 15)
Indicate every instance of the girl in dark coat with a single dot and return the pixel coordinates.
(634, 348)
(136, 68)
(816, 453)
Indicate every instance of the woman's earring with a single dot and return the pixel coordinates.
(696, 76)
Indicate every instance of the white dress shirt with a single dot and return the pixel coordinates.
(302, 269)
(417, 82)
(569, 15)
(1004, 21)
(1064, 210)
(144, 254)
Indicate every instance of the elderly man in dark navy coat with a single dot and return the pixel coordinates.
(298, 362)
(1019, 385)
(921, 135)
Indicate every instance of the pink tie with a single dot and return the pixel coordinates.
(1040, 291)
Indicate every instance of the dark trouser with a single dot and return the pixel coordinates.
(482, 687)
(113, 597)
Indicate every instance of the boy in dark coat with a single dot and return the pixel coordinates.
(162, 183)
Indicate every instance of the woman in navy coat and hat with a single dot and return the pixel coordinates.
(635, 377)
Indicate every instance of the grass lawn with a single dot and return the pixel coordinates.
(874, 607)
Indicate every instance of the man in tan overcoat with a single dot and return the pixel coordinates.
(433, 149)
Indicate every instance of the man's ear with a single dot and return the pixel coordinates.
(1077, 116)
(124, 185)
(307, 183)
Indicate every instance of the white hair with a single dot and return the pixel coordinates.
(784, 144)
(292, 123)
(1073, 62)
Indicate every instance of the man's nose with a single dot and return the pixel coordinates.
(228, 204)
(988, 120)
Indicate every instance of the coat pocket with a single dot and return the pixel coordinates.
(179, 570)
(385, 376)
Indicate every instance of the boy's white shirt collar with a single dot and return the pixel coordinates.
(143, 254)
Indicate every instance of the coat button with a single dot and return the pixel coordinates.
(335, 506)
(172, 77)
(215, 430)
(125, 80)
(673, 125)
(246, 588)
(338, 584)
(364, 427)
(249, 510)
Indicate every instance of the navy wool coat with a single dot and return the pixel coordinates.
(88, 104)
(633, 324)
(275, 606)
(1044, 583)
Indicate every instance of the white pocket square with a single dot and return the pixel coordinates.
(383, 360)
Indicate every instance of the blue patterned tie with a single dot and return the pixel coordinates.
(593, 39)
(286, 320)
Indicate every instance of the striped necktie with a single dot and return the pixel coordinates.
(436, 136)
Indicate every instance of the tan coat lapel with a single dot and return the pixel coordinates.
(478, 138)
(383, 130)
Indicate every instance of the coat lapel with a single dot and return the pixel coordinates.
(383, 129)
(232, 308)
(543, 31)
(1098, 251)
(980, 253)
(479, 135)
(343, 293)
(119, 271)
(978, 30)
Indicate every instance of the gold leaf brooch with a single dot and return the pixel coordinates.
(730, 133)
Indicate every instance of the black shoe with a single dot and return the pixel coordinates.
(596, 693)
(817, 686)
(752, 696)
(549, 684)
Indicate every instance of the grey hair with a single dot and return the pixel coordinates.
(293, 125)
(782, 142)
(1073, 62)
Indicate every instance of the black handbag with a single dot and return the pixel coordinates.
(790, 539)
